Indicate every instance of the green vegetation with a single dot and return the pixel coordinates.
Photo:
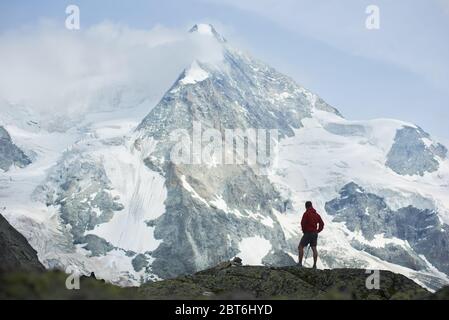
(232, 282)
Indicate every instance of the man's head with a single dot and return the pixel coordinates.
(308, 204)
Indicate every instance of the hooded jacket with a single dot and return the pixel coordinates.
(311, 222)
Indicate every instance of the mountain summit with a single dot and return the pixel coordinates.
(208, 30)
(119, 203)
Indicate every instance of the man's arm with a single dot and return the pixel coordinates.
(320, 223)
(303, 222)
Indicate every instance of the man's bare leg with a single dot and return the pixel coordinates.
(315, 256)
(300, 254)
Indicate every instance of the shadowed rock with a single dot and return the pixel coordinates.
(410, 155)
(15, 252)
(10, 154)
(370, 215)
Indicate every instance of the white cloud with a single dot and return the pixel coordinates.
(413, 34)
(54, 70)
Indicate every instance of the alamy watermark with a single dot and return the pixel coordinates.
(72, 281)
(257, 148)
(372, 22)
(72, 21)
(372, 282)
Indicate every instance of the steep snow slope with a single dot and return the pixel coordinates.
(101, 138)
(317, 162)
(322, 161)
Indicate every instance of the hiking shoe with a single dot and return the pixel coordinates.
(299, 265)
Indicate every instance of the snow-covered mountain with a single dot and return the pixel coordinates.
(106, 195)
(10, 154)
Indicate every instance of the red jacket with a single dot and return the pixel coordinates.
(310, 220)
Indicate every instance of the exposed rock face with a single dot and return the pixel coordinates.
(197, 235)
(96, 245)
(413, 152)
(15, 252)
(10, 154)
(231, 98)
(427, 235)
(278, 258)
(81, 189)
(140, 262)
(361, 211)
(422, 231)
(229, 202)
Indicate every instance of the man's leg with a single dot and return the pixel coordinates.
(300, 254)
(315, 256)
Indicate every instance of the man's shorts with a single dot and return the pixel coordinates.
(309, 238)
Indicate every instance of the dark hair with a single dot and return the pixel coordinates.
(308, 204)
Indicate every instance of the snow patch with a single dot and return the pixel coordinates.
(204, 29)
(194, 74)
(141, 191)
(253, 249)
(380, 241)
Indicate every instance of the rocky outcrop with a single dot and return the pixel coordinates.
(258, 282)
(227, 280)
(10, 154)
(278, 258)
(15, 252)
(413, 153)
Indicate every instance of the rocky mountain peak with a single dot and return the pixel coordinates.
(207, 30)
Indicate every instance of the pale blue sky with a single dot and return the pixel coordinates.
(400, 71)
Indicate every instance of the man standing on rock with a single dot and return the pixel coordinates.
(311, 224)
